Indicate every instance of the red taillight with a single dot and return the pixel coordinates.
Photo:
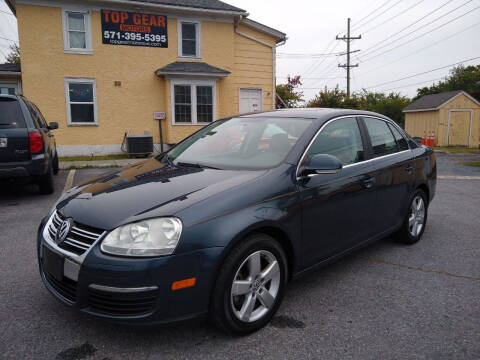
(36, 142)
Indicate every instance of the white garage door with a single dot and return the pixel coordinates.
(250, 100)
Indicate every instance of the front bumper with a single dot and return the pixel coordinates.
(132, 290)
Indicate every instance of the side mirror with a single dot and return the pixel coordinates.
(52, 126)
(321, 164)
(418, 140)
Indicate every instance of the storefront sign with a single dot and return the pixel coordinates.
(135, 29)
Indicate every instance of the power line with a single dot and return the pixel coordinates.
(419, 50)
(422, 35)
(408, 26)
(4, 38)
(371, 13)
(311, 55)
(425, 72)
(417, 83)
(318, 63)
(393, 17)
(378, 15)
(6, 12)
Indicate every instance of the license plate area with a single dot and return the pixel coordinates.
(52, 263)
(3, 142)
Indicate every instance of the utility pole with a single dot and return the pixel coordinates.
(347, 66)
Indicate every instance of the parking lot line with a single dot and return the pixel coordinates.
(457, 177)
(69, 181)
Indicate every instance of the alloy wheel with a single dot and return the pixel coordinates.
(255, 286)
(416, 217)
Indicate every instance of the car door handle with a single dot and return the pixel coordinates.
(368, 183)
(409, 168)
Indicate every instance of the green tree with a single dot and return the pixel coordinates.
(466, 78)
(288, 93)
(390, 105)
(13, 56)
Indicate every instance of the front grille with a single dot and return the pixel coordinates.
(66, 287)
(122, 304)
(79, 239)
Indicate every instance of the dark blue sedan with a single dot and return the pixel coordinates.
(222, 221)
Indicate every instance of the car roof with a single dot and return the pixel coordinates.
(321, 114)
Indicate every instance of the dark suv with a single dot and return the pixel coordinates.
(27, 145)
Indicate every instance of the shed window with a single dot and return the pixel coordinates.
(81, 101)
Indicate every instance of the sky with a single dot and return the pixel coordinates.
(400, 39)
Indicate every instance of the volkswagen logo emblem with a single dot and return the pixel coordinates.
(63, 230)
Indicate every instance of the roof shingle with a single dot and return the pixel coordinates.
(190, 67)
(199, 4)
(432, 101)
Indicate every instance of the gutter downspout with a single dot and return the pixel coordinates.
(274, 53)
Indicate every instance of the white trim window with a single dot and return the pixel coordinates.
(77, 34)
(193, 102)
(189, 39)
(81, 99)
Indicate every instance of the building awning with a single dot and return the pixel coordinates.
(190, 68)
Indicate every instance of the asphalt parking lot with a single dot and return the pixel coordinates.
(387, 301)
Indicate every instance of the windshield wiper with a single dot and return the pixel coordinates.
(196, 165)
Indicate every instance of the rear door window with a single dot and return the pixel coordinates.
(401, 142)
(11, 114)
(383, 142)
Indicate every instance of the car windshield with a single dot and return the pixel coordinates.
(240, 143)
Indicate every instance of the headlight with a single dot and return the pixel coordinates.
(152, 237)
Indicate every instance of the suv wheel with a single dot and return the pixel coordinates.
(250, 285)
(45, 182)
(414, 224)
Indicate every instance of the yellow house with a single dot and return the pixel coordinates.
(453, 117)
(108, 67)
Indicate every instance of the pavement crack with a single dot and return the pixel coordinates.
(417, 268)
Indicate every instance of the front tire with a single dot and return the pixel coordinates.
(414, 224)
(55, 164)
(249, 286)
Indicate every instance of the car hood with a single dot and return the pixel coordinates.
(147, 189)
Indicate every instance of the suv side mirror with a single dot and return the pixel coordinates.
(321, 164)
(52, 126)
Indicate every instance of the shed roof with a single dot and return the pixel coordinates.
(192, 68)
(436, 101)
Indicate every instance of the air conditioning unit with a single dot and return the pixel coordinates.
(139, 145)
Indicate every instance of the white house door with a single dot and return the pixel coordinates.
(250, 100)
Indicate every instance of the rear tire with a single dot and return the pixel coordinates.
(55, 165)
(250, 285)
(45, 182)
(414, 224)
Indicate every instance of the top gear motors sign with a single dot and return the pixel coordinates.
(135, 29)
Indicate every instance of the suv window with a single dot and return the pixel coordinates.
(340, 138)
(41, 119)
(401, 142)
(11, 114)
(383, 142)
